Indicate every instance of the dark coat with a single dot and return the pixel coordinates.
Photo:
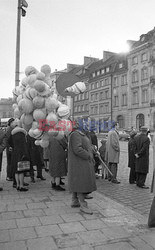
(57, 157)
(131, 153)
(81, 174)
(142, 149)
(18, 143)
(35, 152)
(93, 138)
(2, 136)
(102, 150)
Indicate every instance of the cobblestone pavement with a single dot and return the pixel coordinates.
(42, 219)
(130, 195)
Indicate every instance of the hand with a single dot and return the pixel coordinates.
(137, 156)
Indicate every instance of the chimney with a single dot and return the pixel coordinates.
(107, 55)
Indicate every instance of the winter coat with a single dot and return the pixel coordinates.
(93, 138)
(57, 157)
(35, 152)
(131, 153)
(18, 143)
(2, 136)
(153, 177)
(81, 174)
(113, 147)
(142, 149)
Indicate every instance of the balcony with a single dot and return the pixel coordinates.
(152, 103)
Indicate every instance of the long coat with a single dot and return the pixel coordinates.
(57, 157)
(35, 152)
(19, 146)
(131, 153)
(142, 149)
(112, 147)
(81, 174)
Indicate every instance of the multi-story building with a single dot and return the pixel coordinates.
(6, 110)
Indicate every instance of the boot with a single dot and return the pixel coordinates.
(84, 208)
(75, 200)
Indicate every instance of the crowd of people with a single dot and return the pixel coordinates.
(76, 156)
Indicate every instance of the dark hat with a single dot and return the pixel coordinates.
(10, 120)
(143, 128)
(133, 133)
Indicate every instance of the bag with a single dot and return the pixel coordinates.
(151, 220)
(23, 165)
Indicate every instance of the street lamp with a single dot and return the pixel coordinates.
(22, 4)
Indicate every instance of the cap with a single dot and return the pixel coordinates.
(10, 120)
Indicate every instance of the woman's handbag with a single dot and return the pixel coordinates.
(23, 165)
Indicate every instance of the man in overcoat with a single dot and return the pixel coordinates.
(113, 152)
(142, 157)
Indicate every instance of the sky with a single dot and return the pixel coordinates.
(57, 32)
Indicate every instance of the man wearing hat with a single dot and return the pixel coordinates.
(142, 143)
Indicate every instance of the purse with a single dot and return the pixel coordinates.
(23, 165)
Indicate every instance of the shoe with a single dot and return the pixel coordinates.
(75, 203)
(46, 170)
(22, 189)
(1, 189)
(32, 180)
(59, 188)
(18, 188)
(26, 184)
(85, 210)
(53, 185)
(144, 187)
(62, 183)
(87, 196)
(116, 181)
(9, 179)
(41, 178)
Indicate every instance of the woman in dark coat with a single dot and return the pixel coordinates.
(57, 161)
(81, 174)
(132, 158)
(19, 153)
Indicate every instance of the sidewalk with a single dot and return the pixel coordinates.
(42, 219)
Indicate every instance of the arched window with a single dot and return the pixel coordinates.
(120, 120)
(139, 121)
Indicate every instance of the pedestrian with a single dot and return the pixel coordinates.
(81, 174)
(113, 152)
(102, 151)
(142, 157)
(36, 158)
(2, 134)
(94, 141)
(132, 157)
(57, 162)
(20, 153)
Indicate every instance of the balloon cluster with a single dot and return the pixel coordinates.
(38, 108)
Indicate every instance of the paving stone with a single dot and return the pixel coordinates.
(33, 212)
(22, 234)
(93, 224)
(36, 205)
(3, 207)
(91, 237)
(49, 230)
(11, 215)
(15, 207)
(7, 224)
(55, 210)
(23, 201)
(52, 219)
(18, 245)
(72, 217)
(140, 244)
(28, 222)
(82, 247)
(110, 212)
(71, 227)
(115, 232)
(116, 246)
(64, 241)
(149, 238)
(46, 243)
(4, 235)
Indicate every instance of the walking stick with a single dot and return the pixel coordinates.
(104, 165)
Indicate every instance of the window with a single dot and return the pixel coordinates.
(86, 107)
(120, 65)
(106, 108)
(144, 73)
(115, 81)
(124, 99)
(98, 84)
(86, 95)
(96, 97)
(92, 97)
(144, 95)
(120, 120)
(116, 100)
(75, 109)
(139, 121)
(107, 69)
(96, 110)
(135, 97)
(143, 57)
(79, 97)
(101, 109)
(92, 86)
(135, 60)
(82, 108)
(79, 108)
(124, 79)
(82, 96)
(98, 72)
(135, 76)
(101, 83)
(101, 95)
(75, 98)
(92, 110)
(106, 81)
(102, 71)
(95, 85)
(93, 74)
(106, 94)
